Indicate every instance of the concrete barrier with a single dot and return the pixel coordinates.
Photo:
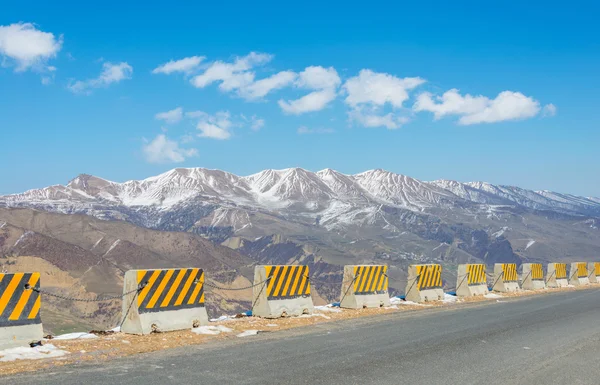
(166, 300)
(506, 278)
(364, 286)
(556, 276)
(424, 283)
(285, 291)
(578, 275)
(20, 321)
(533, 276)
(471, 280)
(593, 271)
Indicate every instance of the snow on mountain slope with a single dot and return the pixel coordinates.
(469, 193)
(345, 187)
(404, 191)
(289, 186)
(544, 200)
(331, 195)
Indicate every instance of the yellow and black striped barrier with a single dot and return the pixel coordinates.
(471, 280)
(578, 276)
(20, 321)
(165, 300)
(593, 271)
(424, 283)
(365, 286)
(533, 276)
(370, 279)
(506, 278)
(281, 290)
(556, 275)
(170, 289)
(287, 281)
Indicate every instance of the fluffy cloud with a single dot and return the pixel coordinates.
(324, 82)
(507, 105)
(303, 130)
(315, 101)
(372, 118)
(111, 73)
(216, 126)
(27, 47)
(369, 92)
(164, 150)
(232, 76)
(185, 65)
(170, 117)
(261, 88)
(377, 89)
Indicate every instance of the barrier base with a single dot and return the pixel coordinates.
(425, 295)
(506, 287)
(534, 285)
(580, 281)
(558, 283)
(359, 301)
(278, 308)
(471, 291)
(164, 321)
(14, 336)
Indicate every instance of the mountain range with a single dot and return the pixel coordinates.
(325, 219)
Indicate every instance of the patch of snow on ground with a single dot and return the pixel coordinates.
(398, 301)
(272, 325)
(328, 308)
(23, 236)
(500, 232)
(26, 353)
(116, 329)
(75, 336)
(248, 333)
(211, 330)
(492, 295)
(449, 298)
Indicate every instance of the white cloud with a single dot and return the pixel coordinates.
(164, 150)
(507, 105)
(216, 126)
(27, 46)
(315, 101)
(324, 81)
(370, 118)
(369, 92)
(111, 73)
(231, 76)
(261, 88)
(318, 78)
(170, 117)
(303, 130)
(185, 65)
(377, 89)
(549, 110)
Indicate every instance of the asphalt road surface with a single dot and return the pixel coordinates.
(544, 339)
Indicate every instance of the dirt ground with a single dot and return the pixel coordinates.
(116, 345)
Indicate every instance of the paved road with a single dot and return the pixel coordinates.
(547, 339)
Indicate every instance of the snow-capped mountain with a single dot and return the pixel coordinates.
(292, 189)
(375, 212)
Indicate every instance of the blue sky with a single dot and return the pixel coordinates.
(503, 93)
